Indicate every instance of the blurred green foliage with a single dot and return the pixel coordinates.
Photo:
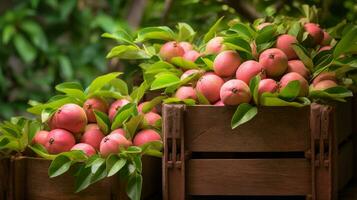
(45, 42)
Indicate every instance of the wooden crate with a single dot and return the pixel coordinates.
(284, 151)
(28, 179)
(4, 169)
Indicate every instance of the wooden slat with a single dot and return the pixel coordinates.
(249, 177)
(345, 164)
(343, 120)
(274, 129)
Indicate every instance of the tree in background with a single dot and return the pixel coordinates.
(44, 42)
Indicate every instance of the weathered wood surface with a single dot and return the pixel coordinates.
(4, 178)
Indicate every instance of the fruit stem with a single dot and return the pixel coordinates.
(51, 141)
(234, 90)
(271, 56)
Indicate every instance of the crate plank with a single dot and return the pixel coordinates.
(207, 129)
(345, 165)
(248, 177)
(343, 120)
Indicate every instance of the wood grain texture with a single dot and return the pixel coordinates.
(345, 165)
(4, 178)
(343, 120)
(248, 177)
(274, 129)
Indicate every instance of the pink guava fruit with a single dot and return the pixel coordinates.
(298, 67)
(315, 32)
(267, 85)
(170, 50)
(114, 107)
(70, 117)
(119, 131)
(40, 138)
(209, 86)
(325, 84)
(234, 92)
(111, 143)
(324, 76)
(92, 135)
(226, 63)
(188, 73)
(141, 105)
(274, 61)
(214, 46)
(94, 104)
(145, 136)
(219, 103)
(292, 76)
(191, 55)
(326, 40)
(186, 46)
(86, 148)
(285, 43)
(151, 118)
(59, 140)
(262, 25)
(186, 92)
(248, 69)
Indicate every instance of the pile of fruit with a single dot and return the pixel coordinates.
(274, 62)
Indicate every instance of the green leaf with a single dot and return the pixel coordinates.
(291, 91)
(268, 99)
(148, 106)
(139, 92)
(41, 151)
(83, 179)
(37, 110)
(106, 94)
(99, 174)
(185, 32)
(34, 127)
(183, 63)
(243, 30)
(212, 31)
(243, 114)
(27, 52)
(266, 34)
(303, 55)
(152, 148)
(72, 89)
(254, 86)
(157, 33)
(123, 114)
(114, 164)
(173, 100)
(121, 36)
(46, 114)
(102, 121)
(60, 165)
(8, 33)
(132, 125)
(34, 30)
(335, 93)
(202, 99)
(120, 86)
(127, 52)
(101, 81)
(238, 44)
(96, 164)
(347, 42)
(134, 186)
(165, 80)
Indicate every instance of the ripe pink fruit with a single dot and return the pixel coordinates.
(94, 104)
(114, 107)
(285, 43)
(274, 61)
(145, 136)
(186, 92)
(70, 117)
(324, 76)
(292, 76)
(151, 118)
(326, 40)
(262, 25)
(298, 67)
(188, 73)
(86, 148)
(140, 108)
(209, 85)
(191, 55)
(226, 63)
(40, 138)
(214, 46)
(325, 84)
(248, 69)
(170, 50)
(267, 85)
(119, 131)
(111, 143)
(59, 140)
(186, 46)
(315, 32)
(325, 48)
(219, 103)
(235, 92)
(92, 135)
